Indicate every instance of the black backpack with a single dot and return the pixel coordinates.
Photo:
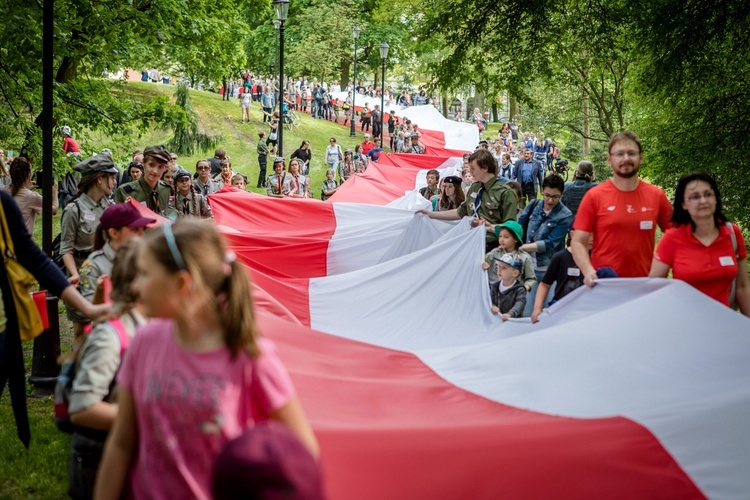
(56, 257)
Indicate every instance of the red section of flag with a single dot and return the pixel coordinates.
(389, 427)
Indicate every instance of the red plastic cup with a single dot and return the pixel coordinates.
(40, 299)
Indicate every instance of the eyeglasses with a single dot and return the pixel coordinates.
(203, 169)
(551, 196)
(697, 196)
(174, 157)
(623, 154)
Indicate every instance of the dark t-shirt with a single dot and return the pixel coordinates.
(215, 166)
(374, 153)
(563, 271)
(302, 154)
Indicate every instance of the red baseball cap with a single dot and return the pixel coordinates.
(123, 215)
(266, 461)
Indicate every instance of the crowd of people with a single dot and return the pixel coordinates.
(117, 279)
(541, 248)
(193, 379)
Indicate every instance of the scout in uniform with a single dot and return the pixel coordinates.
(81, 218)
(204, 184)
(279, 183)
(118, 224)
(346, 167)
(150, 190)
(186, 201)
(488, 200)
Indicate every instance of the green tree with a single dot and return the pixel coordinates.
(187, 136)
(553, 57)
(94, 37)
(694, 87)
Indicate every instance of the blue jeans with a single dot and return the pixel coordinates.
(531, 296)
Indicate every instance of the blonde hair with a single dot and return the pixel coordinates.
(225, 281)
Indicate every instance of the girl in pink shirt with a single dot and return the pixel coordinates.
(195, 379)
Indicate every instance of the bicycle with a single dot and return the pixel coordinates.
(292, 119)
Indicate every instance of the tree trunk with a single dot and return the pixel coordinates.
(494, 111)
(586, 143)
(513, 111)
(479, 102)
(345, 68)
(444, 100)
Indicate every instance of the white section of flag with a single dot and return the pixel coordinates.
(654, 351)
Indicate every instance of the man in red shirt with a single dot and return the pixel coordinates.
(367, 145)
(622, 213)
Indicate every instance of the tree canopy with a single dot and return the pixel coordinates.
(675, 71)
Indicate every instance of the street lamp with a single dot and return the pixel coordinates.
(355, 31)
(276, 25)
(282, 9)
(383, 55)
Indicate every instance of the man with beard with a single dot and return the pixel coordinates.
(622, 213)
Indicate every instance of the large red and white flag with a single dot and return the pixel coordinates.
(632, 389)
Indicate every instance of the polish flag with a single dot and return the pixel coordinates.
(394, 176)
(637, 388)
(435, 401)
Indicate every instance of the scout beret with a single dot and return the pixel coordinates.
(181, 172)
(95, 164)
(159, 153)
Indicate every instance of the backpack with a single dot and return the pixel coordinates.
(64, 383)
(56, 257)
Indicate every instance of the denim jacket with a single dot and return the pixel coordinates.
(548, 232)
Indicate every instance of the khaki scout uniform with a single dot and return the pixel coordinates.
(81, 218)
(157, 199)
(275, 180)
(192, 205)
(78, 227)
(209, 187)
(98, 264)
(496, 203)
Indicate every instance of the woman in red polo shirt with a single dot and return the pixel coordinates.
(699, 247)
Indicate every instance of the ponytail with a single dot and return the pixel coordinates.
(101, 236)
(238, 319)
(198, 248)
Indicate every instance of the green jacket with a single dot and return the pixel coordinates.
(140, 191)
(497, 204)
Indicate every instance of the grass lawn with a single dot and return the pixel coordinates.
(40, 471)
(222, 118)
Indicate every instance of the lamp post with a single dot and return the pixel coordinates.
(276, 25)
(282, 9)
(355, 31)
(383, 55)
